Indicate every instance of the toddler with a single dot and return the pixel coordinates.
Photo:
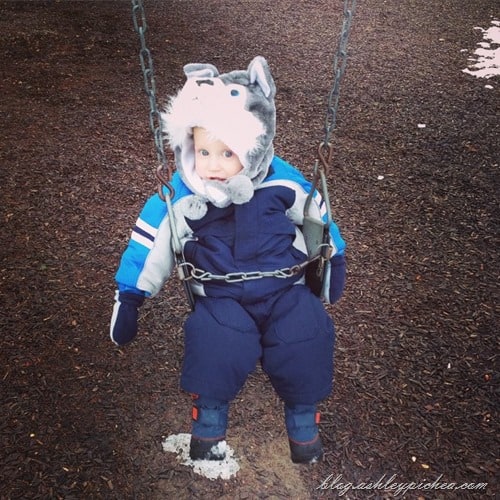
(238, 213)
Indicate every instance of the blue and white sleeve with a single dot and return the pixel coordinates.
(147, 261)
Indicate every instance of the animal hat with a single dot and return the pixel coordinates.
(236, 108)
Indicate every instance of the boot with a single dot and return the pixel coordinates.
(209, 426)
(303, 435)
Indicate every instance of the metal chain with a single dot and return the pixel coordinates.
(325, 149)
(189, 271)
(200, 275)
(163, 172)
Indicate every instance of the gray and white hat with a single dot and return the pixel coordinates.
(236, 108)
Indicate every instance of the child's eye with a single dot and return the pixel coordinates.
(203, 152)
(228, 154)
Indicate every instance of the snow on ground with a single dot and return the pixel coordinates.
(487, 55)
(223, 469)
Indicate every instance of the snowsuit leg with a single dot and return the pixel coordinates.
(222, 347)
(297, 343)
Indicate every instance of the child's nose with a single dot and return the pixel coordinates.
(213, 164)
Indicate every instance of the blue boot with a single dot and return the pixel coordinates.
(303, 436)
(209, 426)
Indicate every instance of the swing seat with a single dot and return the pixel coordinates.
(316, 235)
(313, 231)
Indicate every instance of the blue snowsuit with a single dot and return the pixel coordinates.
(278, 321)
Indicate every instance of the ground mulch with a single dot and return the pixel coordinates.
(416, 367)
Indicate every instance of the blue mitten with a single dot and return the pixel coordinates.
(123, 327)
(337, 277)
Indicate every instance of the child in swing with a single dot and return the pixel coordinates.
(238, 209)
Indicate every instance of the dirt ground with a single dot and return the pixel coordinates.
(416, 367)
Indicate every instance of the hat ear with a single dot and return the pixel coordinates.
(260, 74)
(198, 70)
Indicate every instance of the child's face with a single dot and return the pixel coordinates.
(213, 159)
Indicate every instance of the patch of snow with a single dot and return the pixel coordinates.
(487, 56)
(212, 469)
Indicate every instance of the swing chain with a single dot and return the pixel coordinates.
(188, 271)
(163, 172)
(325, 149)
